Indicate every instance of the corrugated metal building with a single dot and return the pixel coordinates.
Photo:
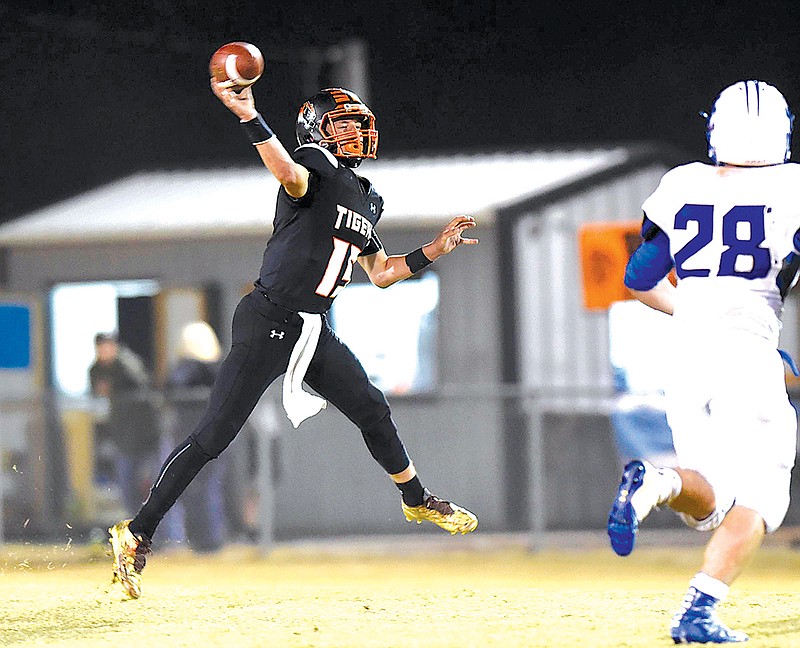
(514, 347)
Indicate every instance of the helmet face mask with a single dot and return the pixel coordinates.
(749, 125)
(339, 121)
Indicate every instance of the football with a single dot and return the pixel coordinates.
(237, 64)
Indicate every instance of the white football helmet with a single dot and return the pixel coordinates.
(750, 125)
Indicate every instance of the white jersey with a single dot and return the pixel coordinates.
(730, 229)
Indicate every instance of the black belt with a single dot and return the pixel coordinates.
(266, 296)
(269, 309)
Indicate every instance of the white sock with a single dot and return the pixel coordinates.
(661, 486)
(672, 485)
(709, 585)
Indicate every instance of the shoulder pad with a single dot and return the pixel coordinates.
(317, 159)
(373, 195)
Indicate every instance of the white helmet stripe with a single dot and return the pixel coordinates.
(758, 98)
(747, 95)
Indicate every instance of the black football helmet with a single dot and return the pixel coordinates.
(316, 124)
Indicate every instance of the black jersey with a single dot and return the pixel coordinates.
(316, 239)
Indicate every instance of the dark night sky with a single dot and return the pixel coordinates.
(93, 93)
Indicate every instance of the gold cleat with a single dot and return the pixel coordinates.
(130, 554)
(442, 513)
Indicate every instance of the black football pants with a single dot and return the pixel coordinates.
(263, 335)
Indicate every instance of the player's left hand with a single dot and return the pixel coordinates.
(452, 236)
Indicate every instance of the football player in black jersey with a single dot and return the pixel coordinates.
(324, 222)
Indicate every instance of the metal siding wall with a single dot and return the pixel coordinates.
(563, 346)
(533, 273)
(564, 357)
(562, 332)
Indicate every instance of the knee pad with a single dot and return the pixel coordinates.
(711, 522)
(208, 453)
(213, 435)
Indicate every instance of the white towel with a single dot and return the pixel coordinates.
(297, 402)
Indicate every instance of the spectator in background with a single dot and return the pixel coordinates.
(119, 375)
(187, 390)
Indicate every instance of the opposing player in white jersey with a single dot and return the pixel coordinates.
(730, 230)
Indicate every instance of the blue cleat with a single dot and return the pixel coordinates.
(623, 523)
(697, 622)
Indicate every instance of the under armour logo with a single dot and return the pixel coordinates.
(373, 208)
(277, 334)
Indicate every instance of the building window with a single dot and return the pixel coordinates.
(78, 312)
(392, 332)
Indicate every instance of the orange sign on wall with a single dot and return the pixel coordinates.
(604, 252)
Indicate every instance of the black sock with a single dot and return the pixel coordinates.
(413, 492)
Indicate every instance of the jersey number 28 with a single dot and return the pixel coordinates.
(736, 247)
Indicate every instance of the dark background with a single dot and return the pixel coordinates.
(92, 93)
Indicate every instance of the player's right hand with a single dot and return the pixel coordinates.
(242, 104)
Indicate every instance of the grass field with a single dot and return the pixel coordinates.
(497, 595)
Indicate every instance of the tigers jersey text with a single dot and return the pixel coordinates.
(317, 238)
